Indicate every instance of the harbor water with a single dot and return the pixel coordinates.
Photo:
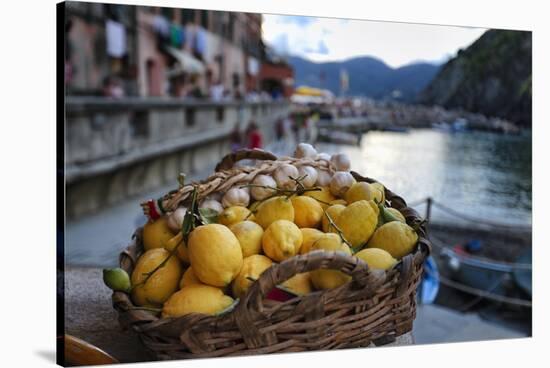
(483, 175)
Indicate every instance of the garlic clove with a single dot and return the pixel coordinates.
(340, 161)
(323, 178)
(236, 197)
(305, 150)
(310, 174)
(323, 156)
(175, 219)
(283, 175)
(212, 204)
(262, 193)
(340, 183)
(217, 196)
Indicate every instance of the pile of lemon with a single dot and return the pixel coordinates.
(220, 261)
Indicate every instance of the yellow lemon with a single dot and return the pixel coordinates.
(282, 240)
(376, 258)
(299, 284)
(309, 236)
(307, 211)
(396, 238)
(327, 278)
(215, 254)
(163, 281)
(361, 190)
(395, 212)
(358, 222)
(249, 235)
(339, 201)
(156, 233)
(273, 209)
(177, 241)
(189, 278)
(380, 195)
(323, 196)
(196, 299)
(253, 267)
(334, 212)
(232, 215)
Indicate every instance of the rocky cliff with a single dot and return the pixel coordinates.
(492, 77)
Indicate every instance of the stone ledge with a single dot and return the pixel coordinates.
(89, 103)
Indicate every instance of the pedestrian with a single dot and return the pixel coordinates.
(254, 136)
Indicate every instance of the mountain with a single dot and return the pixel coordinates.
(492, 77)
(368, 76)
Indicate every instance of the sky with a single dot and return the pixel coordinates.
(397, 44)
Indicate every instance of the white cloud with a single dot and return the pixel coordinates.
(329, 39)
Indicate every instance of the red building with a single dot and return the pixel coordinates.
(277, 77)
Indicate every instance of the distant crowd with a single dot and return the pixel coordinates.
(290, 128)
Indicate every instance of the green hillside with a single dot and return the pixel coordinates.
(492, 77)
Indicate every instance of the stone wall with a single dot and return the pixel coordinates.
(116, 149)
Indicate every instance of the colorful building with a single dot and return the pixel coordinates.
(158, 52)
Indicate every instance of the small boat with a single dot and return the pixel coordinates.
(490, 278)
(524, 278)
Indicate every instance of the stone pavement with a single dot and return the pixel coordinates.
(435, 324)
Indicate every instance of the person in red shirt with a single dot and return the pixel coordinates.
(254, 136)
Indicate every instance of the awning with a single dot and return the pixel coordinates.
(187, 62)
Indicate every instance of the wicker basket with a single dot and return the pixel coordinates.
(375, 307)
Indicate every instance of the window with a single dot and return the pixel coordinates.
(229, 33)
(188, 16)
(167, 12)
(204, 19)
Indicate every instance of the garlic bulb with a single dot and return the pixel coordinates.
(305, 150)
(340, 183)
(212, 204)
(261, 193)
(323, 178)
(310, 174)
(175, 219)
(283, 174)
(236, 197)
(323, 156)
(217, 196)
(340, 161)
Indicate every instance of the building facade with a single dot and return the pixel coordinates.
(160, 52)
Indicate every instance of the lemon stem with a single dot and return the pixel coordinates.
(417, 225)
(338, 231)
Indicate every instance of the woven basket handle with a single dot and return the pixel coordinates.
(279, 273)
(244, 154)
(251, 306)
